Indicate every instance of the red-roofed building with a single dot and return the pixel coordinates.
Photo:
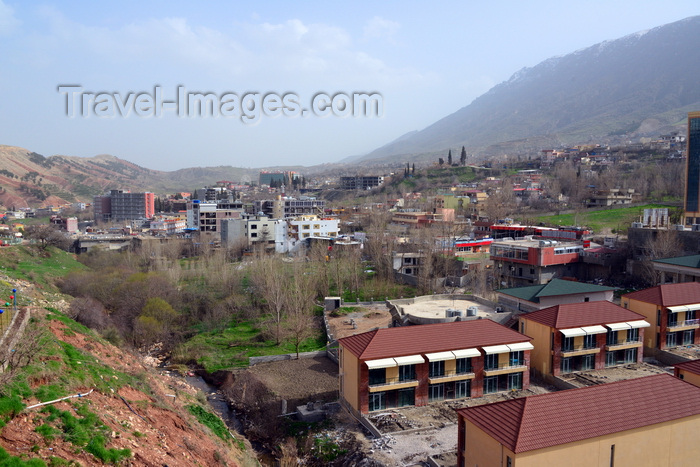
(688, 371)
(583, 336)
(672, 311)
(414, 365)
(650, 421)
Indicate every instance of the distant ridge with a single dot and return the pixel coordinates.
(639, 85)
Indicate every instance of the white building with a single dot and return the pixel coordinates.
(302, 227)
(255, 230)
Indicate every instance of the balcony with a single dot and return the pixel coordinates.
(393, 383)
(579, 350)
(626, 344)
(504, 369)
(450, 376)
(684, 325)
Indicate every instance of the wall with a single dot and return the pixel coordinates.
(649, 312)
(541, 355)
(349, 379)
(692, 378)
(667, 444)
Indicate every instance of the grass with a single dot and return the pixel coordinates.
(85, 431)
(208, 419)
(233, 346)
(25, 262)
(599, 221)
(6, 460)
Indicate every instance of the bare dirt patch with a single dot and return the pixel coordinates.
(366, 318)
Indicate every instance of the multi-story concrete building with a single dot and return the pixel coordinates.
(650, 421)
(415, 365)
(207, 217)
(249, 231)
(289, 207)
(361, 182)
(672, 311)
(302, 227)
(529, 261)
(583, 336)
(120, 205)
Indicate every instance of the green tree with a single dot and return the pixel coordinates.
(463, 157)
(449, 157)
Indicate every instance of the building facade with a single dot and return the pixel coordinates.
(554, 292)
(583, 336)
(603, 425)
(120, 205)
(672, 311)
(529, 261)
(691, 198)
(416, 365)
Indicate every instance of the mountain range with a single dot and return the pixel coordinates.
(639, 85)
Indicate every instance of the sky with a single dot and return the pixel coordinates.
(277, 79)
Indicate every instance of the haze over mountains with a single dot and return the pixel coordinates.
(639, 85)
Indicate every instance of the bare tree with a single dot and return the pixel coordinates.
(662, 244)
(300, 307)
(271, 283)
(47, 235)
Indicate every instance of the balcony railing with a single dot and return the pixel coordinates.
(505, 367)
(577, 348)
(685, 323)
(623, 343)
(450, 374)
(392, 381)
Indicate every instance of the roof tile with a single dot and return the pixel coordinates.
(582, 314)
(558, 418)
(429, 338)
(666, 295)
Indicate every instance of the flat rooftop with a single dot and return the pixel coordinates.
(445, 308)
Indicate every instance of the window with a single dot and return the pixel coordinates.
(586, 299)
(672, 319)
(671, 339)
(509, 461)
(490, 384)
(688, 337)
(464, 365)
(630, 355)
(377, 401)
(633, 335)
(407, 372)
(611, 338)
(305, 226)
(253, 235)
(436, 369)
(690, 315)
(491, 361)
(567, 344)
(407, 396)
(589, 341)
(517, 358)
(515, 381)
(609, 358)
(253, 226)
(436, 392)
(566, 365)
(587, 362)
(463, 389)
(377, 376)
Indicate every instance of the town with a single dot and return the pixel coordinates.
(456, 297)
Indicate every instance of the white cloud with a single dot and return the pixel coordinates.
(380, 28)
(8, 22)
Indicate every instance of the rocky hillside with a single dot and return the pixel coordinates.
(640, 85)
(30, 179)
